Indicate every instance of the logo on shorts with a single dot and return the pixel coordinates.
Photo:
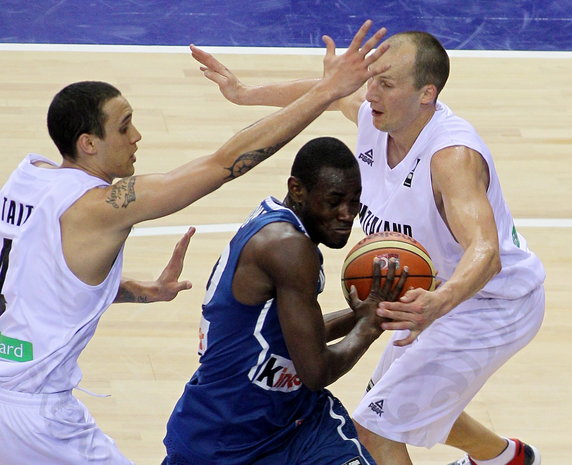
(369, 385)
(354, 461)
(367, 157)
(377, 407)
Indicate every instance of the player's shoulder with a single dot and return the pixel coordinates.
(458, 163)
(285, 252)
(102, 207)
(454, 154)
(281, 241)
(281, 234)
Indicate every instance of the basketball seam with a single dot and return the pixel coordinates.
(397, 275)
(388, 244)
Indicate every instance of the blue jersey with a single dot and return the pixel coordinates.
(246, 396)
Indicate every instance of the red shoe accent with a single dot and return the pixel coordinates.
(525, 454)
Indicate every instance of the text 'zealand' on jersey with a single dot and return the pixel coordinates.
(372, 224)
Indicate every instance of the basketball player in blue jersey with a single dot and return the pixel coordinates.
(426, 172)
(258, 397)
(64, 267)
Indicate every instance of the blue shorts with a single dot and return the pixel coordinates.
(328, 437)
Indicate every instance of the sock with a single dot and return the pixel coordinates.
(504, 458)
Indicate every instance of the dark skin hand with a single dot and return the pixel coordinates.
(265, 270)
(340, 323)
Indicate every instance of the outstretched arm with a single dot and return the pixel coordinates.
(166, 287)
(278, 94)
(147, 197)
(103, 217)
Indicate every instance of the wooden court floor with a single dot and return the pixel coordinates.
(142, 355)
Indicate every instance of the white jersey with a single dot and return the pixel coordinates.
(50, 314)
(401, 199)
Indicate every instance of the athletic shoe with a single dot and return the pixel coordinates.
(525, 455)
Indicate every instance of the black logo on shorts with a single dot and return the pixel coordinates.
(369, 385)
(377, 407)
(367, 157)
(354, 461)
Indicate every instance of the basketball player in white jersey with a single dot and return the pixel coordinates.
(14, 213)
(63, 268)
(427, 173)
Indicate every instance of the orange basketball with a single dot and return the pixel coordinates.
(358, 265)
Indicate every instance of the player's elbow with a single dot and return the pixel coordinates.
(313, 383)
(493, 260)
(497, 265)
(314, 379)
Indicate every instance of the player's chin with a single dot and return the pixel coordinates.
(337, 239)
(380, 123)
(128, 171)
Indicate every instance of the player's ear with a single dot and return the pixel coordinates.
(85, 143)
(295, 189)
(429, 94)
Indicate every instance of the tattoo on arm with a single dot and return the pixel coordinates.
(249, 160)
(125, 295)
(122, 193)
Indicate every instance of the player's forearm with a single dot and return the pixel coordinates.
(134, 291)
(245, 150)
(278, 94)
(338, 324)
(259, 141)
(339, 358)
(476, 268)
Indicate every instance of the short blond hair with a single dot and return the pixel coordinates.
(431, 60)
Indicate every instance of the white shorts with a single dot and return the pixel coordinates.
(52, 429)
(421, 389)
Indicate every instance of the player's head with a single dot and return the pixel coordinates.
(405, 94)
(78, 109)
(431, 64)
(324, 190)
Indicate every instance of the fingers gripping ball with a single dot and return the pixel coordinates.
(357, 269)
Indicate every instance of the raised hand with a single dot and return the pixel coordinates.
(166, 287)
(350, 70)
(342, 74)
(214, 70)
(168, 284)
